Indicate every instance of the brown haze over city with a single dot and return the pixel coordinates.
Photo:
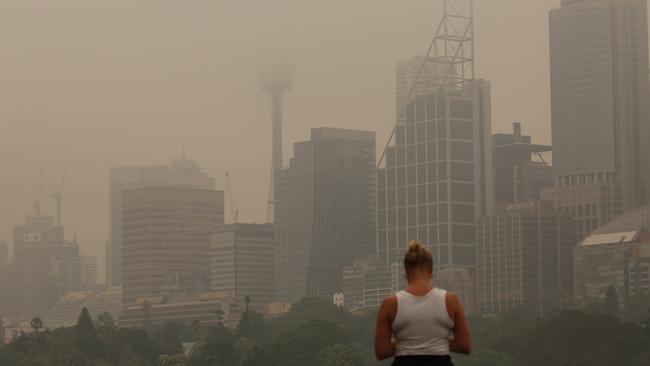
(85, 85)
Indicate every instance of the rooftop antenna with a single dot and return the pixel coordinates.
(450, 53)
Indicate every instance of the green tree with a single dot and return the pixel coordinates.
(106, 320)
(251, 325)
(85, 322)
(300, 345)
(216, 347)
(36, 324)
(340, 355)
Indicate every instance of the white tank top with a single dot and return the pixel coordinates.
(422, 325)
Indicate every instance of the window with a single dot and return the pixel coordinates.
(463, 234)
(381, 219)
(422, 234)
(419, 110)
(431, 174)
(443, 234)
(433, 235)
(410, 134)
(391, 198)
(390, 157)
(442, 212)
(443, 255)
(442, 129)
(441, 107)
(442, 150)
(442, 191)
(411, 175)
(462, 130)
(401, 176)
(462, 150)
(381, 199)
(463, 213)
(422, 173)
(413, 216)
(461, 109)
(442, 171)
(412, 196)
(401, 217)
(422, 153)
(401, 197)
(410, 113)
(462, 192)
(391, 218)
(421, 132)
(422, 193)
(390, 177)
(431, 131)
(464, 254)
(433, 213)
(381, 179)
(431, 151)
(401, 155)
(462, 171)
(410, 154)
(422, 215)
(400, 138)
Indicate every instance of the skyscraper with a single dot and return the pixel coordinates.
(182, 173)
(521, 170)
(36, 287)
(599, 95)
(166, 240)
(324, 212)
(437, 177)
(242, 262)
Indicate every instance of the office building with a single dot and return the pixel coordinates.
(7, 283)
(242, 262)
(36, 285)
(166, 240)
(521, 168)
(462, 281)
(524, 258)
(367, 283)
(619, 259)
(324, 212)
(437, 177)
(599, 98)
(182, 173)
(88, 273)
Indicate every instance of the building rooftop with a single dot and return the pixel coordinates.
(622, 237)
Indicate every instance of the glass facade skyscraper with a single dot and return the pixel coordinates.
(324, 212)
(437, 177)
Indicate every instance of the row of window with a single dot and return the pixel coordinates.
(425, 193)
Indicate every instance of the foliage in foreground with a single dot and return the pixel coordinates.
(317, 333)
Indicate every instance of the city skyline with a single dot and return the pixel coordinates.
(172, 114)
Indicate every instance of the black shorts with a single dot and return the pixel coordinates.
(423, 361)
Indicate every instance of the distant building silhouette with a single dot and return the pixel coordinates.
(524, 258)
(324, 212)
(600, 115)
(242, 262)
(166, 240)
(182, 173)
(521, 168)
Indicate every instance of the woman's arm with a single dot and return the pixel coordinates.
(462, 341)
(384, 347)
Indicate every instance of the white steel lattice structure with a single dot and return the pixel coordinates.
(450, 55)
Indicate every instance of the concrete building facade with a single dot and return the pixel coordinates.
(242, 261)
(166, 240)
(524, 259)
(182, 173)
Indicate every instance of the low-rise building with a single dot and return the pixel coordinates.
(208, 308)
(619, 259)
(65, 313)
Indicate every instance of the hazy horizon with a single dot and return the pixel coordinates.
(86, 86)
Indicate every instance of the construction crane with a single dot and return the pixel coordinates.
(233, 205)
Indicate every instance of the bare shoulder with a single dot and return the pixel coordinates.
(389, 306)
(453, 304)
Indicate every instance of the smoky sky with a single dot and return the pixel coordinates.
(85, 85)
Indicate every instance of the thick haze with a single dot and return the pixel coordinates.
(85, 85)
